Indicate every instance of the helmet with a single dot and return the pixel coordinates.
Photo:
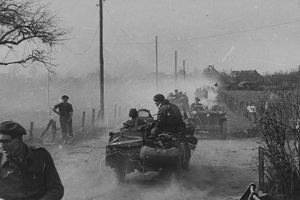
(12, 128)
(159, 98)
(133, 113)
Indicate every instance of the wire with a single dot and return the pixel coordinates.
(213, 35)
(236, 32)
(91, 43)
(175, 40)
(130, 43)
(117, 23)
(113, 56)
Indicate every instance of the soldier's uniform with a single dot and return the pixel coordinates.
(32, 178)
(169, 117)
(65, 119)
(133, 123)
(196, 107)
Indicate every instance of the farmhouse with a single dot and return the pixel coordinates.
(211, 72)
(246, 75)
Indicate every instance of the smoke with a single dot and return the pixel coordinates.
(219, 170)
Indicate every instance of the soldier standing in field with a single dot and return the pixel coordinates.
(65, 112)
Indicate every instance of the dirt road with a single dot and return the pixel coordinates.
(220, 169)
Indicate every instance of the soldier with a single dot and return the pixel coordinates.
(168, 117)
(134, 122)
(171, 95)
(176, 94)
(65, 112)
(196, 106)
(26, 172)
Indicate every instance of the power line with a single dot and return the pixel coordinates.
(91, 43)
(236, 32)
(117, 23)
(213, 35)
(175, 40)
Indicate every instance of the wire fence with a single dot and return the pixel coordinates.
(84, 124)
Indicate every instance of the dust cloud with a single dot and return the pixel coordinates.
(219, 170)
(81, 168)
(26, 99)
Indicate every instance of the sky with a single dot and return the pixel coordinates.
(231, 34)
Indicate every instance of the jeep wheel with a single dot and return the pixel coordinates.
(180, 160)
(186, 163)
(120, 173)
(224, 129)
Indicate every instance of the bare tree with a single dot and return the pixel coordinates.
(279, 120)
(28, 27)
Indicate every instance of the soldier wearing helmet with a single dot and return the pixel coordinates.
(196, 106)
(168, 117)
(134, 122)
(26, 172)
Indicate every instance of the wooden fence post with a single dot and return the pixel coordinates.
(115, 112)
(53, 129)
(98, 116)
(261, 169)
(83, 121)
(93, 117)
(31, 130)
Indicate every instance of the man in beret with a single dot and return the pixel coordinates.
(65, 112)
(25, 172)
(169, 117)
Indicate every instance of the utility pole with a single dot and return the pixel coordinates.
(101, 60)
(175, 66)
(156, 61)
(183, 69)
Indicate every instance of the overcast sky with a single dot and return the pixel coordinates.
(232, 34)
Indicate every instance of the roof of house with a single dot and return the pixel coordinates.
(247, 75)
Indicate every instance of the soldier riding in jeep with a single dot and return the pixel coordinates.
(154, 145)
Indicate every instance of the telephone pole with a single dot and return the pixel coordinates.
(156, 61)
(101, 60)
(175, 66)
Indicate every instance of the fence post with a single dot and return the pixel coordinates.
(93, 117)
(261, 169)
(31, 131)
(115, 112)
(98, 116)
(53, 129)
(83, 121)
